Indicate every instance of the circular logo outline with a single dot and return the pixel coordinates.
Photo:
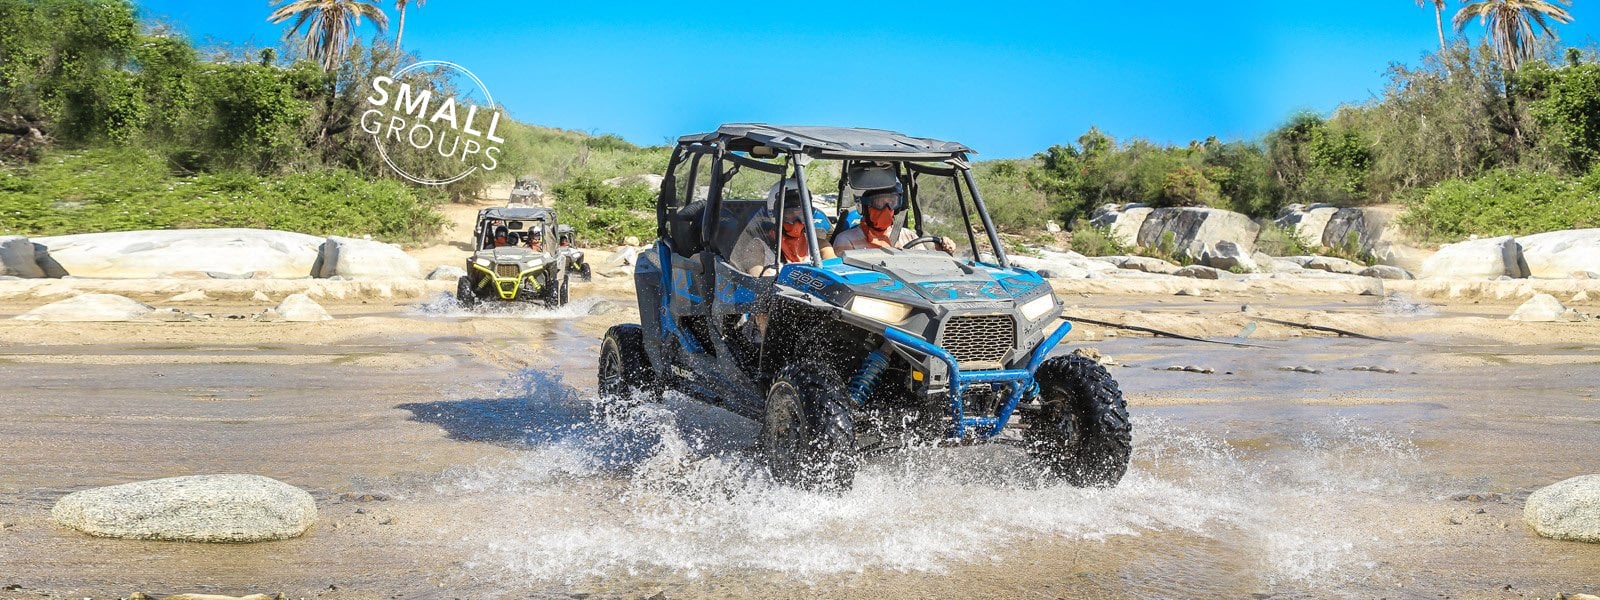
(384, 152)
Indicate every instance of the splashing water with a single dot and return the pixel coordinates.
(1397, 304)
(678, 488)
(445, 305)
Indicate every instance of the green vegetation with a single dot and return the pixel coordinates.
(604, 214)
(1498, 137)
(1506, 202)
(130, 189)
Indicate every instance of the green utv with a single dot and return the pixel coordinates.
(522, 255)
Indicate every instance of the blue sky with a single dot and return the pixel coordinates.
(1007, 78)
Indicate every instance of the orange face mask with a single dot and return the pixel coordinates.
(876, 226)
(795, 248)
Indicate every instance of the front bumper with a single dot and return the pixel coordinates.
(1019, 382)
(507, 288)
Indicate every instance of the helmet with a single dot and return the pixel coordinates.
(866, 179)
(791, 192)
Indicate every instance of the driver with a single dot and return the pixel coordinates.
(877, 228)
(500, 235)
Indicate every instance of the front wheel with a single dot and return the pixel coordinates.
(1083, 434)
(465, 296)
(626, 379)
(808, 435)
(556, 291)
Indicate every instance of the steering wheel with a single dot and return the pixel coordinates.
(927, 239)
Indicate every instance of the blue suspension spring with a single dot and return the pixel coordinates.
(871, 369)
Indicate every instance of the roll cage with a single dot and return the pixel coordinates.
(714, 158)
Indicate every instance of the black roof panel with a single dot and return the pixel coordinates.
(509, 213)
(832, 142)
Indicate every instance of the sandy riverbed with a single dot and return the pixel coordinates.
(498, 482)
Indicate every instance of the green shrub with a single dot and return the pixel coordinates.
(1504, 202)
(129, 189)
(604, 214)
(1090, 240)
(1277, 240)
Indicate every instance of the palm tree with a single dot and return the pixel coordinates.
(400, 31)
(1438, 18)
(1510, 24)
(331, 22)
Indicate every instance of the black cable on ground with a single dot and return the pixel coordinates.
(1158, 332)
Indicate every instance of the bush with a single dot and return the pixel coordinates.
(1277, 240)
(1504, 202)
(1090, 240)
(604, 214)
(126, 190)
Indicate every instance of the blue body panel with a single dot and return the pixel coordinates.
(1019, 381)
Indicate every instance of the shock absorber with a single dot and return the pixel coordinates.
(872, 368)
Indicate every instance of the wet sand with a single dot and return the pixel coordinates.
(468, 444)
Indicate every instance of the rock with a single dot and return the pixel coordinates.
(1543, 308)
(300, 308)
(1308, 223)
(1068, 265)
(1580, 297)
(649, 180)
(1333, 265)
(601, 307)
(1192, 230)
(260, 296)
(18, 259)
(446, 273)
(171, 315)
(632, 240)
(1301, 369)
(1052, 227)
(151, 254)
(1363, 226)
(351, 258)
(1569, 510)
(198, 508)
(1228, 256)
(1142, 263)
(625, 256)
(1386, 272)
(1125, 229)
(190, 296)
(1199, 272)
(90, 307)
(1477, 259)
(222, 275)
(1557, 254)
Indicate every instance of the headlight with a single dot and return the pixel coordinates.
(1037, 307)
(482, 262)
(881, 310)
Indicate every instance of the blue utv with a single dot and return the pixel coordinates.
(875, 350)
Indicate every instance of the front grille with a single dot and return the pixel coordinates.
(979, 341)
(507, 270)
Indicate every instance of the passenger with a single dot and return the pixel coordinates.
(535, 241)
(789, 235)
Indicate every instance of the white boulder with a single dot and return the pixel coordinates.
(1386, 272)
(301, 308)
(90, 307)
(190, 296)
(1142, 263)
(446, 273)
(1487, 258)
(17, 258)
(649, 180)
(1559, 254)
(197, 508)
(1199, 272)
(1569, 510)
(152, 254)
(351, 258)
(1334, 265)
(1227, 255)
(1544, 308)
(1308, 223)
(1192, 230)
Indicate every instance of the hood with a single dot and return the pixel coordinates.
(937, 277)
(510, 254)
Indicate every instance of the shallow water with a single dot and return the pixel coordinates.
(1248, 481)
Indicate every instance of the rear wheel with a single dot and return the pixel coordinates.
(464, 293)
(1083, 434)
(626, 379)
(808, 435)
